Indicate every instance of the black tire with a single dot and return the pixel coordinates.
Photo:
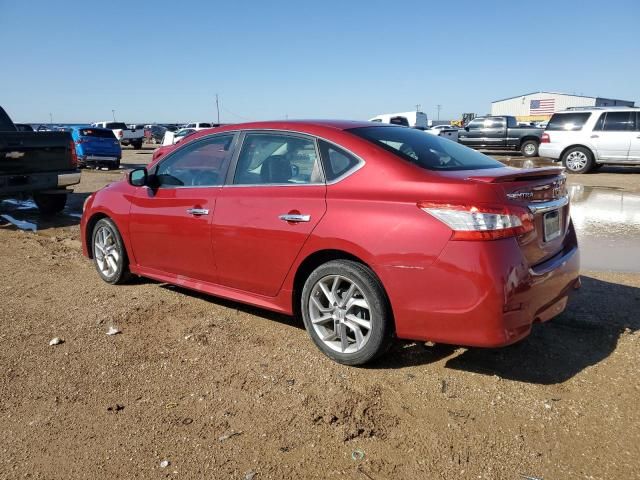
(115, 165)
(380, 334)
(121, 273)
(50, 203)
(578, 160)
(529, 148)
(137, 145)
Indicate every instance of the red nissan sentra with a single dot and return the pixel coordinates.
(367, 231)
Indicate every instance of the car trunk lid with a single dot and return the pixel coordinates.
(543, 192)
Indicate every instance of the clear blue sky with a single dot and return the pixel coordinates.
(165, 60)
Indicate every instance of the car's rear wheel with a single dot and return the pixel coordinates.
(137, 145)
(50, 203)
(346, 312)
(109, 254)
(529, 148)
(578, 160)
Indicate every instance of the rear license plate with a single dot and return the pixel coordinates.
(552, 225)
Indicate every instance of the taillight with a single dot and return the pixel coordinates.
(545, 138)
(480, 222)
(121, 134)
(74, 155)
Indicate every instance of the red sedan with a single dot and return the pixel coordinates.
(366, 231)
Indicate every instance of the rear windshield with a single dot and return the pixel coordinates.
(568, 121)
(205, 125)
(425, 150)
(96, 132)
(116, 125)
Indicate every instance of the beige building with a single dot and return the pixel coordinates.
(537, 106)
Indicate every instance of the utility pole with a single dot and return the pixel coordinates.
(418, 107)
(51, 118)
(439, 107)
(113, 112)
(218, 108)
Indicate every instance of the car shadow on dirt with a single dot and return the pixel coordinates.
(584, 335)
(24, 214)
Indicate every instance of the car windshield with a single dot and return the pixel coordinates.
(426, 151)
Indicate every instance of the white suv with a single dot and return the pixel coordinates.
(588, 138)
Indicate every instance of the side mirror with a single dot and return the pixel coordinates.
(138, 177)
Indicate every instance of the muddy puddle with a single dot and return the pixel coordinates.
(607, 220)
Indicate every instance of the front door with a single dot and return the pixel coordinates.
(263, 217)
(170, 221)
(613, 134)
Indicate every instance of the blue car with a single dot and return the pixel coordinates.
(96, 146)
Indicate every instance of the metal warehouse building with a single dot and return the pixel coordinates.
(541, 105)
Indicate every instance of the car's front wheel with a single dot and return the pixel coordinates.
(578, 160)
(346, 312)
(109, 254)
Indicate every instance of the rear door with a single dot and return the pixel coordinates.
(170, 224)
(471, 134)
(634, 148)
(612, 135)
(494, 132)
(271, 204)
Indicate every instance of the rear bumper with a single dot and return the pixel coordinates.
(15, 184)
(480, 293)
(550, 150)
(100, 158)
(67, 179)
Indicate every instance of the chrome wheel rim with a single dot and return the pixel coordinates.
(340, 314)
(529, 149)
(106, 251)
(576, 160)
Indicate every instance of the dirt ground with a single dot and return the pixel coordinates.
(222, 390)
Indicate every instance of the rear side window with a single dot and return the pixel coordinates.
(616, 122)
(336, 161)
(276, 159)
(568, 121)
(205, 125)
(426, 151)
(96, 132)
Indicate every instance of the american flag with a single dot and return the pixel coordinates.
(542, 106)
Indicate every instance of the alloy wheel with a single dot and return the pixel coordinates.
(576, 160)
(340, 313)
(106, 251)
(529, 149)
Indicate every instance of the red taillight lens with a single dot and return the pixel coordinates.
(545, 138)
(121, 134)
(74, 155)
(481, 222)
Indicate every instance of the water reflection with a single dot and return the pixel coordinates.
(607, 221)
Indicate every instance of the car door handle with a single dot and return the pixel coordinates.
(197, 211)
(595, 136)
(295, 217)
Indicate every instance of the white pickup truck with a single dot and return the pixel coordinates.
(126, 135)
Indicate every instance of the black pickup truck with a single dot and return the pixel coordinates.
(500, 133)
(36, 164)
